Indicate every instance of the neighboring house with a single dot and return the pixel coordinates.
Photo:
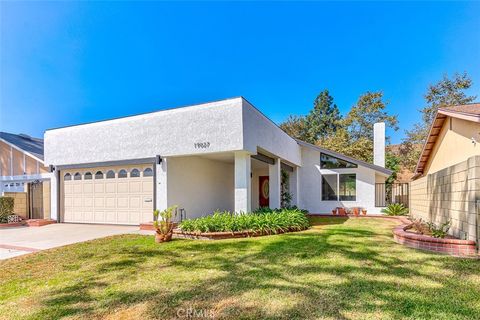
(447, 181)
(223, 155)
(24, 176)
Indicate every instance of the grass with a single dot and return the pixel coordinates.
(339, 269)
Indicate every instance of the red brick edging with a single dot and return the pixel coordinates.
(177, 233)
(453, 247)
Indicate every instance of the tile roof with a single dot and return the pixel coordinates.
(31, 145)
(472, 109)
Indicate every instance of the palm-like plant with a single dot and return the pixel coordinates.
(395, 209)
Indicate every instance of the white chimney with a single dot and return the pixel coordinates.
(379, 144)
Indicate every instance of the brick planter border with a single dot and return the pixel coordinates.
(453, 247)
(177, 233)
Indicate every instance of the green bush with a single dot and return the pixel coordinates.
(395, 209)
(441, 230)
(262, 220)
(6, 208)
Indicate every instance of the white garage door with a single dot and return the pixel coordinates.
(113, 195)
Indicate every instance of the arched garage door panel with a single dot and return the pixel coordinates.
(119, 197)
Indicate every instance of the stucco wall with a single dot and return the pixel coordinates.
(310, 176)
(259, 131)
(449, 193)
(454, 144)
(165, 133)
(199, 185)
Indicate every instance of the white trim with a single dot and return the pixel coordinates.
(25, 177)
(21, 150)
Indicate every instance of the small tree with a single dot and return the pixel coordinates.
(285, 196)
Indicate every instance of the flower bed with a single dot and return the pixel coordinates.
(223, 225)
(454, 247)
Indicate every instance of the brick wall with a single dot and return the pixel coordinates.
(450, 193)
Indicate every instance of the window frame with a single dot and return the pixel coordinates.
(322, 166)
(337, 191)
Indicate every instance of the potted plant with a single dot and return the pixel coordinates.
(341, 211)
(355, 212)
(364, 212)
(334, 212)
(164, 226)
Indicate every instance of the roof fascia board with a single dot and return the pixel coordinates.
(460, 115)
(21, 150)
(427, 142)
(346, 158)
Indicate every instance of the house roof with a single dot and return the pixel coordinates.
(346, 158)
(469, 112)
(29, 145)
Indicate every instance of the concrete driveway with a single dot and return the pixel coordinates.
(22, 240)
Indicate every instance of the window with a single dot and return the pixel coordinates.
(77, 176)
(330, 162)
(348, 187)
(87, 176)
(148, 172)
(67, 177)
(99, 175)
(134, 173)
(329, 187)
(342, 187)
(122, 173)
(110, 174)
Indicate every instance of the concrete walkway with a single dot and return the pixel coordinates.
(22, 240)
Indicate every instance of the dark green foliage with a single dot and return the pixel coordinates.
(392, 162)
(285, 195)
(263, 220)
(6, 208)
(441, 230)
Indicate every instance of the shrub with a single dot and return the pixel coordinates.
(6, 208)
(263, 220)
(439, 231)
(395, 209)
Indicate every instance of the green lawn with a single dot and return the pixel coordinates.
(339, 269)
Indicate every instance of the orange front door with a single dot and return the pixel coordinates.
(264, 189)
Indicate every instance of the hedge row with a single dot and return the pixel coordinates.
(264, 220)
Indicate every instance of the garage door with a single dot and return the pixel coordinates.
(113, 195)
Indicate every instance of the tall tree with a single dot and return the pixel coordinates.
(324, 118)
(446, 92)
(354, 137)
(369, 109)
(296, 127)
(320, 122)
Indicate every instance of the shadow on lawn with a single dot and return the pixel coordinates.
(334, 273)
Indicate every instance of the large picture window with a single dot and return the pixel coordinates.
(331, 162)
(329, 187)
(348, 187)
(339, 187)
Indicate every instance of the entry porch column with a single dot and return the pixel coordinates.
(274, 184)
(243, 183)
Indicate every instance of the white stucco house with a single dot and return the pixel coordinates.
(222, 155)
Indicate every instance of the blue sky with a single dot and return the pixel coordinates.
(64, 63)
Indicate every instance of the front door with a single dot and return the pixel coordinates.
(264, 189)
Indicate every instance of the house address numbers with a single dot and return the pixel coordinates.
(202, 145)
